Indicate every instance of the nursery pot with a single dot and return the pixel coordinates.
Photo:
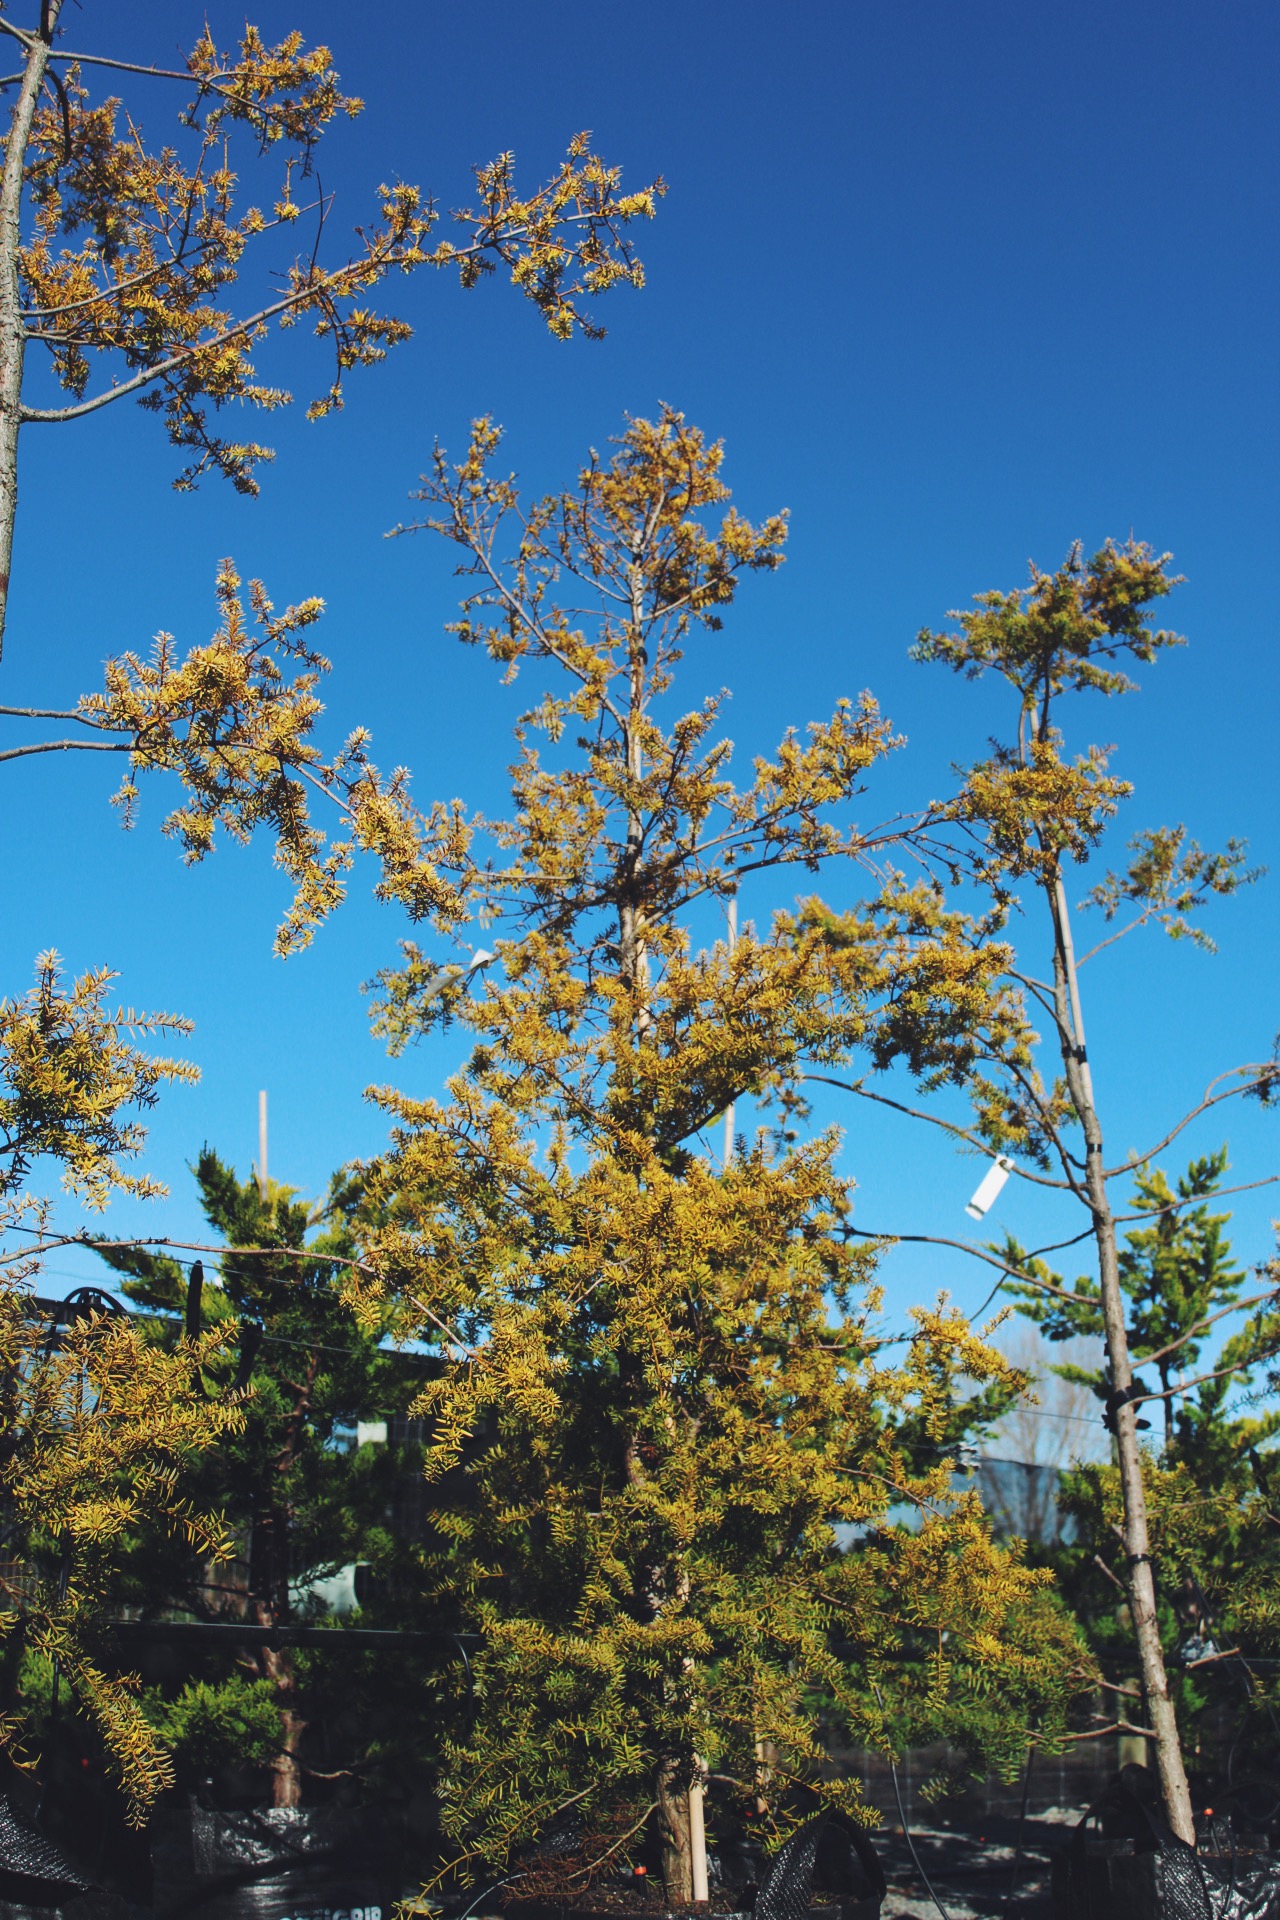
(787, 1891)
(39, 1881)
(276, 1863)
(867, 1908)
(1111, 1880)
(1142, 1870)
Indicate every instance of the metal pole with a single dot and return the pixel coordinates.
(262, 1147)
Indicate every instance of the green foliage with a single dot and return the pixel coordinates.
(235, 1722)
(1179, 1282)
(299, 1502)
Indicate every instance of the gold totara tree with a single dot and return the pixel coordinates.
(957, 1003)
(666, 1378)
(98, 1424)
(124, 260)
(131, 270)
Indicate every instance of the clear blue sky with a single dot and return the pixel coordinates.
(956, 284)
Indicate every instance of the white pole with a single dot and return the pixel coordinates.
(731, 914)
(698, 1840)
(262, 1146)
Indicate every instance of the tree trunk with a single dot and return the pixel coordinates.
(286, 1770)
(269, 1582)
(673, 1831)
(1139, 1574)
(12, 328)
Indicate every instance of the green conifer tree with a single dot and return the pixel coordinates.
(301, 1501)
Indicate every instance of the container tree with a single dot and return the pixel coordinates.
(300, 1500)
(98, 1427)
(998, 857)
(666, 1378)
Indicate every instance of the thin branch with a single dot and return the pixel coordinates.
(966, 1246)
(1036, 988)
(48, 713)
(1207, 1659)
(73, 746)
(113, 292)
(1119, 1585)
(1198, 1326)
(84, 1239)
(948, 1126)
(130, 66)
(1113, 1726)
(1109, 1686)
(57, 415)
(1194, 1200)
(1111, 938)
(1256, 1072)
(1203, 1379)
(242, 328)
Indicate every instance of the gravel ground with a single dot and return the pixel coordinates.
(970, 1872)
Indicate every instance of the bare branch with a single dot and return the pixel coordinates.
(1194, 1200)
(1198, 1326)
(28, 40)
(48, 713)
(980, 1253)
(1111, 938)
(1256, 1071)
(948, 1126)
(68, 746)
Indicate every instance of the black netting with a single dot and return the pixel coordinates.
(787, 1888)
(1141, 1870)
(26, 1854)
(275, 1863)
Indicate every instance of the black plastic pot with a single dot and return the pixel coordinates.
(309, 1863)
(39, 1880)
(862, 1909)
(786, 1892)
(1112, 1881)
(1148, 1873)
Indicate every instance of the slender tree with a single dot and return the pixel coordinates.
(957, 1001)
(665, 1376)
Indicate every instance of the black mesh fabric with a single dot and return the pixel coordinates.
(27, 1854)
(1145, 1872)
(787, 1889)
(276, 1862)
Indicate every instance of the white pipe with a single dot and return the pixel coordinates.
(698, 1840)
